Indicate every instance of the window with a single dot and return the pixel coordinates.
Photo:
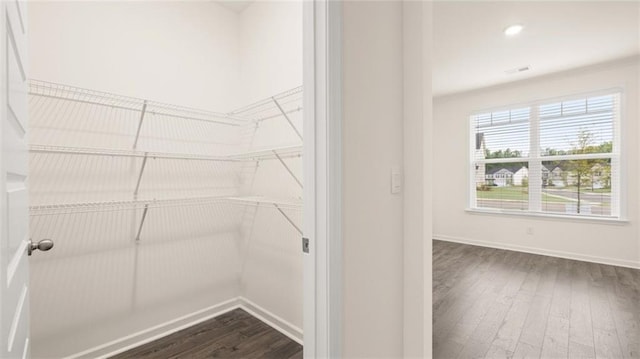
(553, 157)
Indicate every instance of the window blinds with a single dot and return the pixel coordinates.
(551, 157)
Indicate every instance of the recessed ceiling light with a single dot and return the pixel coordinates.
(513, 30)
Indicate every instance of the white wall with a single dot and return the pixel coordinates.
(372, 144)
(417, 178)
(270, 48)
(183, 53)
(586, 240)
(271, 63)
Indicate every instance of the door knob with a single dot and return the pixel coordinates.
(43, 245)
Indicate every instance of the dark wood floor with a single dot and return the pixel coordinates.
(491, 303)
(235, 334)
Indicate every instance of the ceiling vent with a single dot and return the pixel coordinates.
(517, 69)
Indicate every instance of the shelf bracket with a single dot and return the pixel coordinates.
(286, 117)
(144, 110)
(144, 163)
(144, 216)
(287, 168)
(288, 219)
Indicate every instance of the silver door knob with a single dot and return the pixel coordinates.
(43, 245)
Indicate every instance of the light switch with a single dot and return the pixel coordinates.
(396, 180)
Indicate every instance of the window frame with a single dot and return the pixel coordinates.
(617, 158)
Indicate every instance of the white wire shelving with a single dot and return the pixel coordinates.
(73, 122)
(259, 155)
(86, 207)
(91, 97)
(283, 206)
(282, 105)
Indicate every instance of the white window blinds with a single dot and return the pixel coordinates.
(557, 157)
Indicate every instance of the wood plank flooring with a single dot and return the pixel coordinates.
(492, 303)
(235, 334)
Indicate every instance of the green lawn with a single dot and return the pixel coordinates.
(586, 189)
(515, 193)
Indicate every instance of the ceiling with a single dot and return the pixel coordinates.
(470, 50)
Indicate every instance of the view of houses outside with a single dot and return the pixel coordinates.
(569, 129)
(506, 187)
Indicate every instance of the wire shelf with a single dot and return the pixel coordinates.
(86, 207)
(82, 95)
(290, 101)
(294, 204)
(259, 155)
(95, 152)
(285, 96)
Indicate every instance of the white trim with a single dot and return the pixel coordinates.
(17, 318)
(322, 175)
(293, 332)
(158, 331)
(145, 336)
(15, 261)
(308, 164)
(548, 215)
(333, 263)
(541, 251)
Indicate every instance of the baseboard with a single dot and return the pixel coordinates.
(279, 324)
(156, 332)
(161, 330)
(546, 252)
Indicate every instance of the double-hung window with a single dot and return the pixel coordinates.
(550, 157)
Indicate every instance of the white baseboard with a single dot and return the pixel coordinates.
(541, 251)
(156, 332)
(161, 330)
(274, 321)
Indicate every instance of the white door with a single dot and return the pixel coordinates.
(14, 209)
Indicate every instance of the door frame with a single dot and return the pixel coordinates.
(322, 151)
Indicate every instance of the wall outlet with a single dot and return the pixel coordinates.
(530, 231)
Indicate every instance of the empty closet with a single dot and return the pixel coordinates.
(166, 165)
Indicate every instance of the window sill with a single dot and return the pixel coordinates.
(577, 219)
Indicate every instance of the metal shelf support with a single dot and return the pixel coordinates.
(144, 163)
(144, 216)
(144, 110)
(288, 219)
(287, 168)
(287, 117)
